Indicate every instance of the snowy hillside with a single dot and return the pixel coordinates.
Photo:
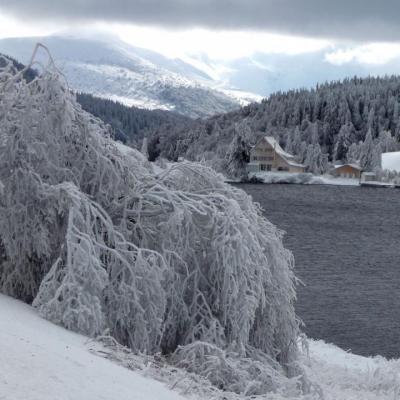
(43, 361)
(40, 360)
(133, 76)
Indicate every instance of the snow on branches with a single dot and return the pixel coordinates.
(170, 261)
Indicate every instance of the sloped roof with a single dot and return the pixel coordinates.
(275, 144)
(355, 166)
(294, 164)
(369, 173)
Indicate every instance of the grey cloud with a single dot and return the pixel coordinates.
(365, 20)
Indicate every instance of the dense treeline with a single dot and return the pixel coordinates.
(348, 121)
(354, 120)
(130, 124)
(29, 74)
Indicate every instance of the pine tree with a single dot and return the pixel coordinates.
(370, 154)
(386, 142)
(343, 143)
(238, 156)
(145, 150)
(353, 154)
(315, 161)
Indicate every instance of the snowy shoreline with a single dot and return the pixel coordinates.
(56, 363)
(299, 179)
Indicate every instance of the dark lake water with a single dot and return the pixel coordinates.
(346, 243)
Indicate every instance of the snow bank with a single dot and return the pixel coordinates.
(332, 180)
(281, 177)
(301, 179)
(339, 375)
(42, 361)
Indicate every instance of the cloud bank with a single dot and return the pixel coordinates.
(360, 20)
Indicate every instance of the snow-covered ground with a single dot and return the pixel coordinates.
(302, 178)
(42, 361)
(332, 180)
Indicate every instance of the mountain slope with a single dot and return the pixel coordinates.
(352, 120)
(114, 70)
(130, 124)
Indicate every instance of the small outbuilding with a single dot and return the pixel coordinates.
(350, 171)
(368, 177)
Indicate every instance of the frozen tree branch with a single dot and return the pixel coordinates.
(176, 261)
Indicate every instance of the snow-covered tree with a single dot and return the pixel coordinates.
(177, 262)
(353, 153)
(370, 154)
(238, 155)
(343, 142)
(387, 142)
(145, 149)
(315, 161)
(298, 118)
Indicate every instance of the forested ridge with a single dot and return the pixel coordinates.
(346, 121)
(353, 120)
(130, 124)
(29, 73)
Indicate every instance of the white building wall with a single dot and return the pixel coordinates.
(391, 161)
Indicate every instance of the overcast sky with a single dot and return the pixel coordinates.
(364, 31)
(354, 19)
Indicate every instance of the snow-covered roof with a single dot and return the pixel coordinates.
(391, 161)
(275, 144)
(294, 164)
(355, 166)
(369, 173)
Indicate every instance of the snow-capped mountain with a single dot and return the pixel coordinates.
(134, 76)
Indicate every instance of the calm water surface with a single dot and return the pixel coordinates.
(346, 242)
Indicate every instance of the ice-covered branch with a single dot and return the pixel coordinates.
(175, 261)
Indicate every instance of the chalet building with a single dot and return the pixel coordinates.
(268, 155)
(352, 171)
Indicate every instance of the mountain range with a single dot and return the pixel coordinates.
(112, 69)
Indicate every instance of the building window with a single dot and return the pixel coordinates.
(262, 167)
(268, 158)
(269, 166)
